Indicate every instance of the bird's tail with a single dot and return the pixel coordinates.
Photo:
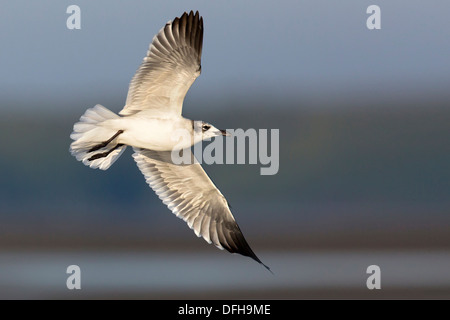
(96, 145)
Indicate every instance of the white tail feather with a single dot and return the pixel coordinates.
(88, 133)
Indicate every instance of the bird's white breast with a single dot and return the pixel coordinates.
(159, 134)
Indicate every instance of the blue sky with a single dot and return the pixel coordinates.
(311, 50)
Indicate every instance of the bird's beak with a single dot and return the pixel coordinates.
(225, 133)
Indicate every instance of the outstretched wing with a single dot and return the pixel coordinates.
(171, 66)
(191, 195)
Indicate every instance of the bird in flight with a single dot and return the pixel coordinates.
(147, 123)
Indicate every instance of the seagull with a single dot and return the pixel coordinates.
(151, 115)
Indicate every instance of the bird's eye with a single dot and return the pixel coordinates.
(205, 128)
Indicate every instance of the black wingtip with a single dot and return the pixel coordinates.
(268, 269)
(190, 27)
(236, 243)
(254, 257)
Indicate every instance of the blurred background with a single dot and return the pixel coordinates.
(364, 151)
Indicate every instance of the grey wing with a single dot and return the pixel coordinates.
(172, 64)
(191, 195)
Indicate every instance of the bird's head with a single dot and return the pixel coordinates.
(207, 131)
